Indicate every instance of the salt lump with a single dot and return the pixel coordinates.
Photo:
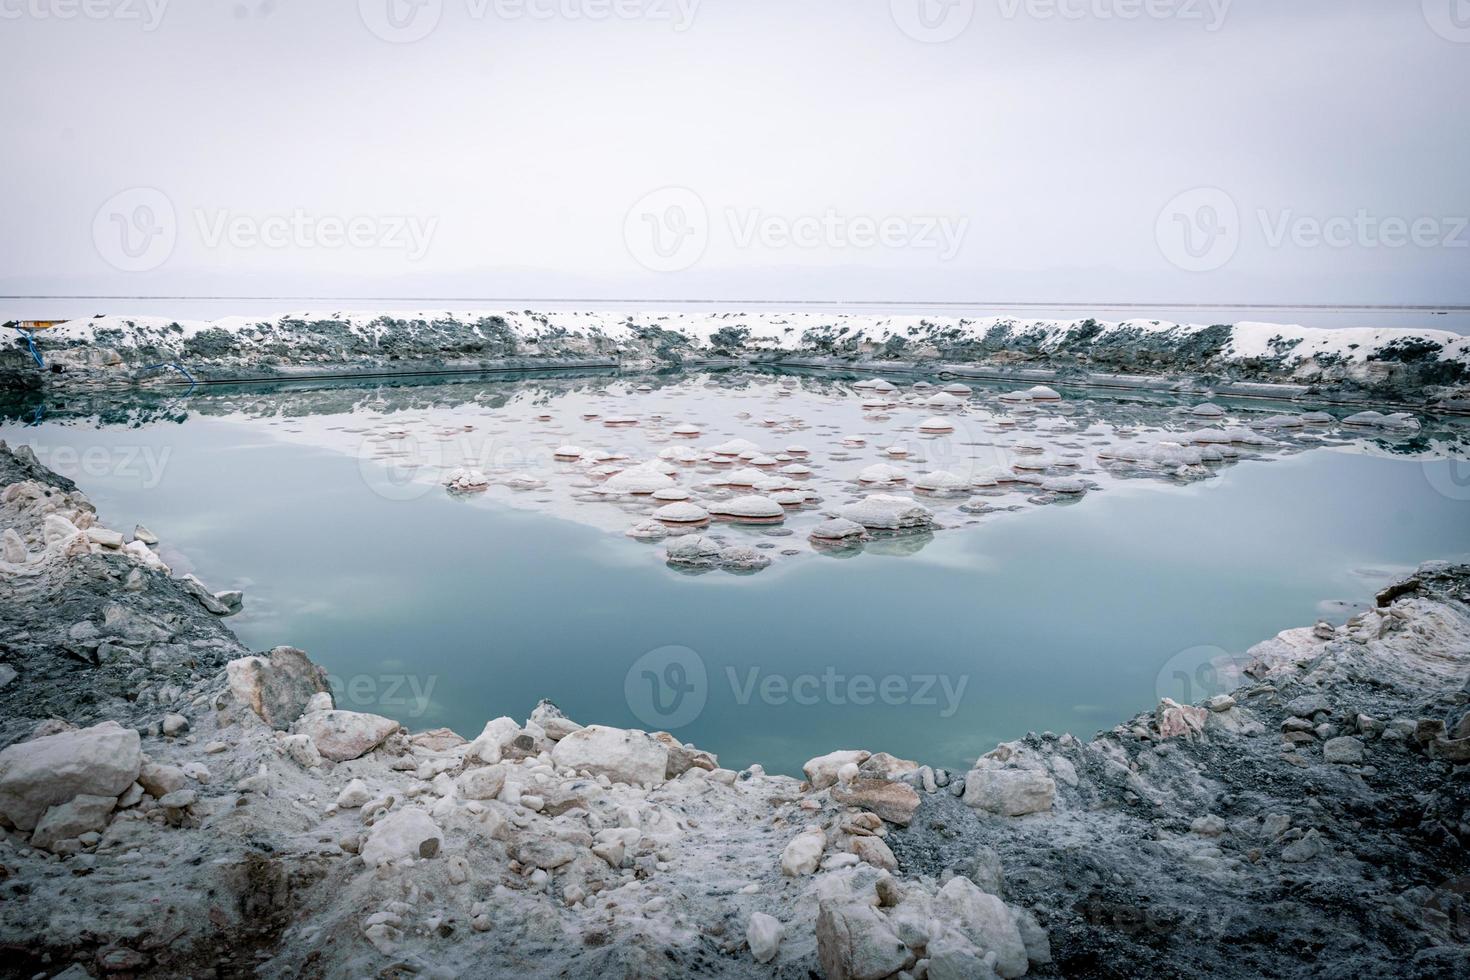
(750, 509)
(1208, 410)
(838, 529)
(1042, 393)
(883, 512)
(881, 473)
(466, 481)
(935, 425)
(695, 551)
(682, 513)
(941, 481)
(639, 480)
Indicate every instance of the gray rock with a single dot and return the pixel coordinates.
(1343, 750)
(277, 687)
(79, 815)
(36, 775)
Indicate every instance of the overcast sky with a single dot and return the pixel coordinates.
(1055, 150)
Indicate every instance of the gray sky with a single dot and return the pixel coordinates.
(764, 149)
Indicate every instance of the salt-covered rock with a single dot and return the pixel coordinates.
(1175, 719)
(890, 799)
(881, 473)
(623, 755)
(482, 783)
(856, 942)
(804, 852)
(407, 833)
(353, 795)
(763, 933)
(639, 480)
(278, 686)
(102, 760)
(13, 547)
(752, 507)
(888, 513)
(985, 921)
(941, 481)
(79, 815)
(838, 529)
(681, 512)
(822, 771)
(1009, 792)
(342, 735)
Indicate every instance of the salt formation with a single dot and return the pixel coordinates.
(881, 474)
(467, 481)
(941, 482)
(936, 426)
(682, 513)
(883, 512)
(750, 509)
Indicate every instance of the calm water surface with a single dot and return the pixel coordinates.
(1070, 619)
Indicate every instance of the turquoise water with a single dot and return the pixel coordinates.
(1069, 618)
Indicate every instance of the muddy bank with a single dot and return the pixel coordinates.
(173, 805)
(1410, 367)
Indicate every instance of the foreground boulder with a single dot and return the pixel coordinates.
(1009, 792)
(278, 686)
(343, 735)
(623, 755)
(402, 834)
(34, 776)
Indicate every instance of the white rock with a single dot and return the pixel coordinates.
(823, 771)
(99, 761)
(985, 921)
(353, 795)
(77, 816)
(492, 741)
(343, 735)
(838, 529)
(483, 783)
(888, 513)
(623, 755)
(751, 507)
(804, 852)
(763, 933)
(408, 833)
(941, 481)
(1009, 792)
(13, 548)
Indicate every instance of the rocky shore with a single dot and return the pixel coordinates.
(172, 804)
(1419, 368)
